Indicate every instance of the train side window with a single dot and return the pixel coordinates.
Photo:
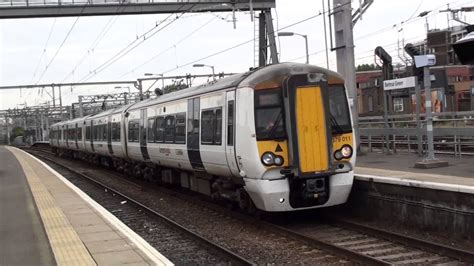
(180, 128)
(160, 129)
(169, 129)
(88, 133)
(133, 128)
(115, 131)
(104, 132)
(230, 123)
(79, 133)
(207, 126)
(218, 127)
(95, 132)
(151, 130)
(211, 126)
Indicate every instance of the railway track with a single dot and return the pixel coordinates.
(179, 244)
(379, 246)
(353, 242)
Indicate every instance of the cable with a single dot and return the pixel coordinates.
(94, 44)
(209, 56)
(131, 46)
(44, 50)
(404, 22)
(169, 48)
(60, 46)
(251, 40)
(416, 10)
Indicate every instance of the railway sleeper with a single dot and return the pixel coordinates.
(217, 188)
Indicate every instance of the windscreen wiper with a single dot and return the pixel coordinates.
(335, 124)
(276, 123)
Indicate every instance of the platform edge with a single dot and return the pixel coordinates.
(141, 244)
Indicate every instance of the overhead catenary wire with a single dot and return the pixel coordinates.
(94, 44)
(59, 49)
(44, 49)
(154, 57)
(251, 40)
(379, 31)
(132, 45)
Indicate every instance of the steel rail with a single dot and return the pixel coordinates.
(235, 258)
(430, 246)
(335, 249)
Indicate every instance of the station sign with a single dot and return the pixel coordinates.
(395, 84)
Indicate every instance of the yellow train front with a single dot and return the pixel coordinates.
(300, 152)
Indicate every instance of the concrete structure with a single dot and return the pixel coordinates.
(441, 200)
(45, 220)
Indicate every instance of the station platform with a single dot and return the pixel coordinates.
(399, 169)
(46, 220)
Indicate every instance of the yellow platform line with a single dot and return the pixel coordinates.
(65, 243)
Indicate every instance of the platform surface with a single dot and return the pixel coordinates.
(459, 173)
(48, 221)
(23, 239)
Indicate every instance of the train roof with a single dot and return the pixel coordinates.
(265, 77)
(259, 78)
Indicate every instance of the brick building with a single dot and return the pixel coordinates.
(452, 84)
(452, 90)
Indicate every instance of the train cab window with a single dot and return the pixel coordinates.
(211, 127)
(160, 129)
(133, 128)
(339, 110)
(269, 115)
(169, 129)
(180, 128)
(151, 130)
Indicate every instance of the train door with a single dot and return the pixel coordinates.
(309, 123)
(230, 133)
(142, 134)
(193, 134)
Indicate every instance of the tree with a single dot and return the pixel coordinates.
(367, 67)
(17, 131)
(176, 86)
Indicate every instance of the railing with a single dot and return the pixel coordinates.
(453, 133)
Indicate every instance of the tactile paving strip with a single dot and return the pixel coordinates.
(67, 247)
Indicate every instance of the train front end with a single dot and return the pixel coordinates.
(303, 136)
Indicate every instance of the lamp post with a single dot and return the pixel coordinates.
(203, 65)
(159, 75)
(286, 33)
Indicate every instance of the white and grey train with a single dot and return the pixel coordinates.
(277, 138)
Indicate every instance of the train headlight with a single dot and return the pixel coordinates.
(279, 160)
(346, 151)
(268, 158)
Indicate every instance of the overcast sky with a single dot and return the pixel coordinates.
(28, 46)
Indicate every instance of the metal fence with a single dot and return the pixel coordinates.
(453, 133)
